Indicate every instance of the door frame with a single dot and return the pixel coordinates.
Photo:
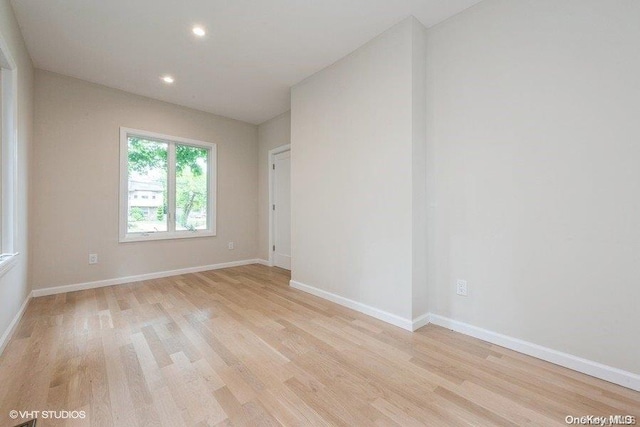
(271, 159)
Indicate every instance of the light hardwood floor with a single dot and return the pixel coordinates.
(240, 347)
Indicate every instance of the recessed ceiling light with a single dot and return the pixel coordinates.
(199, 31)
(168, 79)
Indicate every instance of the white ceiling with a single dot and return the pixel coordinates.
(254, 50)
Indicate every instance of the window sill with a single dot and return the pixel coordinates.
(7, 261)
(167, 236)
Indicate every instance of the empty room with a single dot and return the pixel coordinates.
(319, 213)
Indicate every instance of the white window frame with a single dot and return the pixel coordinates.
(8, 159)
(171, 232)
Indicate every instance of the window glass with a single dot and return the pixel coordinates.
(147, 173)
(167, 187)
(192, 176)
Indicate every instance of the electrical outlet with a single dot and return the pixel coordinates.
(93, 258)
(231, 246)
(461, 287)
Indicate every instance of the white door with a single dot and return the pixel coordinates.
(282, 210)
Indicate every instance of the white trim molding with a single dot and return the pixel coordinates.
(385, 316)
(137, 278)
(7, 262)
(8, 149)
(585, 366)
(589, 367)
(8, 333)
(420, 321)
(271, 159)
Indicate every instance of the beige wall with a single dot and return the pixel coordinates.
(419, 234)
(14, 286)
(76, 176)
(271, 134)
(352, 173)
(534, 143)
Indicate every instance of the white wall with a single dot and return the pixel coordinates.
(14, 286)
(271, 134)
(419, 235)
(533, 126)
(352, 141)
(76, 178)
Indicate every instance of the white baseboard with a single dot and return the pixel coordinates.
(594, 369)
(589, 367)
(148, 276)
(355, 305)
(264, 262)
(420, 321)
(14, 323)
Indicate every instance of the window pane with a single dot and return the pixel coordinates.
(191, 187)
(147, 186)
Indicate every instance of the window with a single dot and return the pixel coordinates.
(180, 176)
(8, 166)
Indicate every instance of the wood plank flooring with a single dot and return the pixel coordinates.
(240, 347)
